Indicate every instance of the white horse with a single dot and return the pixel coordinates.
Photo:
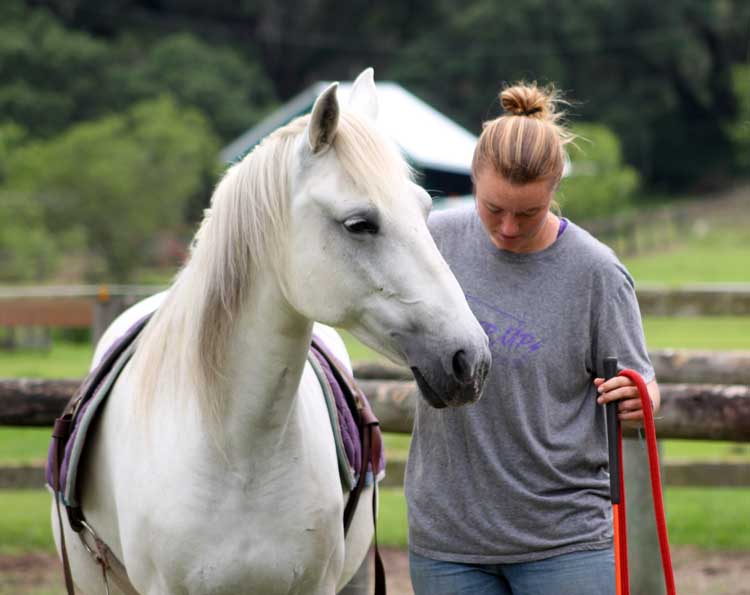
(213, 468)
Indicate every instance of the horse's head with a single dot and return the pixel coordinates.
(360, 255)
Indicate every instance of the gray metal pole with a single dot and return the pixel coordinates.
(644, 559)
(360, 583)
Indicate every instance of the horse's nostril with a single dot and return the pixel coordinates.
(461, 366)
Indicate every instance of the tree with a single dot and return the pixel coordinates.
(231, 92)
(52, 76)
(119, 178)
(739, 130)
(657, 73)
(49, 76)
(599, 183)
(27, 251)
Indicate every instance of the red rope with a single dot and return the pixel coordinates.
(656, 491)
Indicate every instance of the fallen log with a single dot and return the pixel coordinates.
(34, 402)
(681, 366)
(696, 411)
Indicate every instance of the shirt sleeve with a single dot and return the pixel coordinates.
(619, 329)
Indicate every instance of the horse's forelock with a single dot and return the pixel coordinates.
(372, 160)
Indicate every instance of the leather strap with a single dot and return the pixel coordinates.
(372, 447)
(109, 562)
(60, 433)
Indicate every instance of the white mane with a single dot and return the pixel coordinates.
(183, 347)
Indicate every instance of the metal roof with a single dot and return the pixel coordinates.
(428, 138)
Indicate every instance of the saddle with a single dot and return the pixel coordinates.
(360, 455)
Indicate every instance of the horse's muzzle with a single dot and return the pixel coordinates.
(458, 384)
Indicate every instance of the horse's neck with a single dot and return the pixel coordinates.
(265, 359)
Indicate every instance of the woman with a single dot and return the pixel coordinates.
(511, 495)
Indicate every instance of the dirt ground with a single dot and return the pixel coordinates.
(697, 572)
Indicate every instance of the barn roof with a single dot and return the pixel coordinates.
(429, 139)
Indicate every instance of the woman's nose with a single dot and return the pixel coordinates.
(509, 226)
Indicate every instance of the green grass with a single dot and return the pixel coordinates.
(707, 518)
(716, 518)
(714, 258)
(25, 521)
(64, 360)
(705, 450)
(392, 518)
(22, 446)
(721, 333)
(396, 445)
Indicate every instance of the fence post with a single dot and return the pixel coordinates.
(644, 559)
(106, 309)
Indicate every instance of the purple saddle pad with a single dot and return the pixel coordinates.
(97, 384)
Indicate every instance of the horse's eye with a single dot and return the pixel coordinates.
(360, 225)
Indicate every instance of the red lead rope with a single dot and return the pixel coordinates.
(623, 586)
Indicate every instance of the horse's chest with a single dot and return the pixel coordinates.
(284, 551)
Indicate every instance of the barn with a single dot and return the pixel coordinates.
(434, 145)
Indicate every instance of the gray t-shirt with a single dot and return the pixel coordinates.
(521, 474)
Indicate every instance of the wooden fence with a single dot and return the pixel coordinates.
(705, 395)
(94, 307)
(81, 306)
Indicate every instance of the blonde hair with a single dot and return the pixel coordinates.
(527, 143)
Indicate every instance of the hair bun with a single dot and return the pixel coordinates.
(529, 100)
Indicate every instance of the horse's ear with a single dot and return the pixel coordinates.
(323, 121)
(363, 97)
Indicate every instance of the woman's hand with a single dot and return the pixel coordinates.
(623, 389)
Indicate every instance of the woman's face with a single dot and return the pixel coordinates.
(515, 216)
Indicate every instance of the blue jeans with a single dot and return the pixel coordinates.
(577, 573)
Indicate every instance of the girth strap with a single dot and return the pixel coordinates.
(372, 447)
(60, 434)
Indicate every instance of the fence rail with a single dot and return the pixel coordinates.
(96, 306)
(694, 411)
(705, 395)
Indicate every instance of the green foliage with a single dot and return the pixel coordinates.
(739, 130)
(599, 184)
(11, 137)
(657, 73)
(118, 179)
(50, 76)
(27, 250)
(231, 92)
